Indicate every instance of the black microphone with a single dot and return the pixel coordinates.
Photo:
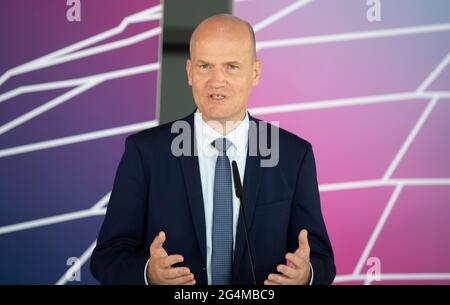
(238, 190)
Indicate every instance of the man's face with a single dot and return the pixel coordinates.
(222, 71)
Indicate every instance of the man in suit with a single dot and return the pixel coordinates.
(173, 217)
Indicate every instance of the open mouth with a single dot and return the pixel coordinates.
(217, 97)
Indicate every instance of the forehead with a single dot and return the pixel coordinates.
(226, 48)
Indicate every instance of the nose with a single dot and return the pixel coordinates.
(217, 79)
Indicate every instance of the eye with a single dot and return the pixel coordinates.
(204, 66)
(233, 67)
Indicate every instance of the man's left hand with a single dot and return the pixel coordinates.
(297, 270)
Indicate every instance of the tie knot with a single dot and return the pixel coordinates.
(222, 145)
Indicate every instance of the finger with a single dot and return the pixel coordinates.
(269, 282)
(181, 280)
(288, 271)
(172, 273)
(170, 260)
(297, 261)
(289, 264)
(304, 254)
(157, 242)
(303, 243)
(279, 279)
(193, 282)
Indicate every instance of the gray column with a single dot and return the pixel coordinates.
(179, 20)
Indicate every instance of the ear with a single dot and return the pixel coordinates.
(189, 71)
(257, 67)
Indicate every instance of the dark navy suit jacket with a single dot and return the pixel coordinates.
(156, 191)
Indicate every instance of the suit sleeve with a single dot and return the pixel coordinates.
(307, 214)
(119, 257)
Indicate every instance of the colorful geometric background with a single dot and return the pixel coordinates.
(372, 97)
(70, 92)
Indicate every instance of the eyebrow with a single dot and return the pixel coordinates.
(234, 62)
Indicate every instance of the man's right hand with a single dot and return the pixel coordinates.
(159, 268)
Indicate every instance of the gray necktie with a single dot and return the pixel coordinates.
(222, 233)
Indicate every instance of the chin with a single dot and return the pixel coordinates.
(214, 113)
(217, 117)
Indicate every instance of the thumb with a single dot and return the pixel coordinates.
(157, 242)
(303, 243)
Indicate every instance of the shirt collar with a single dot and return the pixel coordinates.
(205, 134)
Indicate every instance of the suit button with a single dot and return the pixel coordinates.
(204, 269)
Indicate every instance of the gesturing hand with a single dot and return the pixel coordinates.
(159, 268)
(297, 271)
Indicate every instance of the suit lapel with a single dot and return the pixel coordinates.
(192, 180)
